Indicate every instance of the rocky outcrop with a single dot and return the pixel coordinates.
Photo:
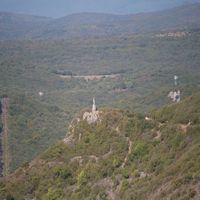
(175, 96)
(91, 117)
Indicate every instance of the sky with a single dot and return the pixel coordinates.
(59, 8)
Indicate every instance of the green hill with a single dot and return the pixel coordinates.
(123, 155)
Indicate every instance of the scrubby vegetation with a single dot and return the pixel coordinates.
(162, 163)
(145, 64)
(125, 155)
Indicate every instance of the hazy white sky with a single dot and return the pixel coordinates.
(58, 8)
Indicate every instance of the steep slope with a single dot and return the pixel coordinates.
(32, 126)
(92, 24)
(122, 156)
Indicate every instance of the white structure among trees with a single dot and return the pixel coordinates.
(93, 116)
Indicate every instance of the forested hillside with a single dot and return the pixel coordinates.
(143, 65)
(129, 64)
(123, 155)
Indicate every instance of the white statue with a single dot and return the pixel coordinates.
(94, 106)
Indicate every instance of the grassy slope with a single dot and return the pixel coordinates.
(161, 148)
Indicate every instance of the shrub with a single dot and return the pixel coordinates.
(10, 197)
(125, 173)
(53, 194)
(116, 163)
(192, 193)
(140, 150)
(81, 178)
(156, 165)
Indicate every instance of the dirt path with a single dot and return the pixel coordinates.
(91, 77)
(5, 144)
(130, 143)
(95, 158)
(184, 127)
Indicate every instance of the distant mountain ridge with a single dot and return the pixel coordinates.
(17, 26)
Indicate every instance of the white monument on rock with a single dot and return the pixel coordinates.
(93, 116)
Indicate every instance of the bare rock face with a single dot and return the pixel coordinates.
(68, 140)
(91, 117)
(175, 96)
